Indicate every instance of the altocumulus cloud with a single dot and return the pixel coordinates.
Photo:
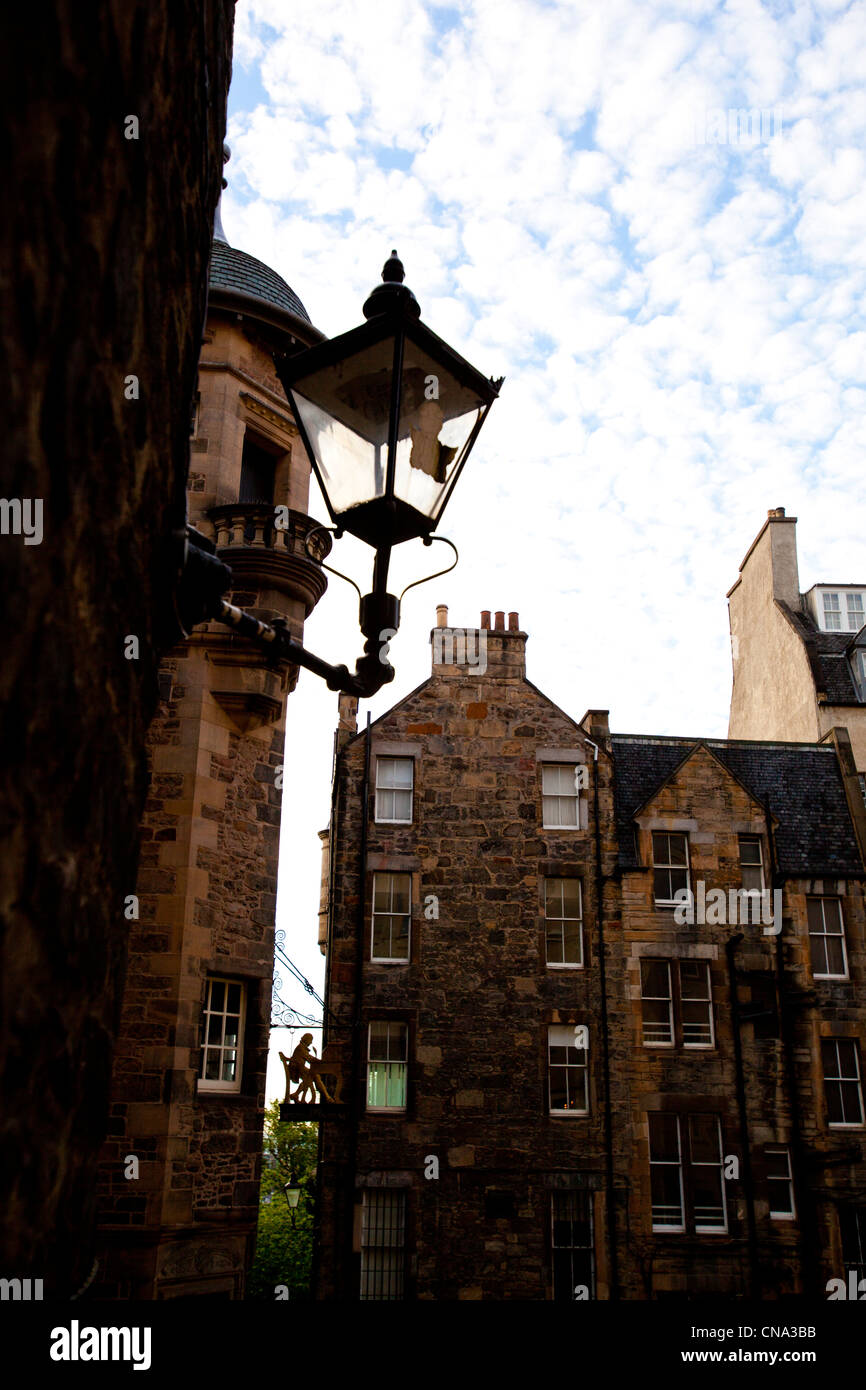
(673, 291)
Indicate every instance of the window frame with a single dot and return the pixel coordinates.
(851, 610)
(572, 768)
(210, 1086)
(829, 613)
(563, 964)
(848, 1213)
(675, 1000)
(774, 1182)
(390, 1062)
(391, 960)
(394, 820)
(568, 1066)
(563, 1196)
(667, 866)
(371, 1199)
(824, 936)
(687, 1178)
(841, 1080)
(758, 840)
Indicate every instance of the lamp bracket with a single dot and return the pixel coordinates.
(428, 540)
(336, 533)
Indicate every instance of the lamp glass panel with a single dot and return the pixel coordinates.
(345, 410)
(437, 416)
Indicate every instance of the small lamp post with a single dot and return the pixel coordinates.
(388, 414)
(292, 1194)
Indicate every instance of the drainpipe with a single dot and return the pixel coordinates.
(754, 1269)
(605, 1041)
(355, 1090)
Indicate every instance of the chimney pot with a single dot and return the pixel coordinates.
(441, 615)
(485, 618)
(500, 620)
(774, 512)
(513, 622)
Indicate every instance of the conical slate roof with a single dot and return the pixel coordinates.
(234, 270)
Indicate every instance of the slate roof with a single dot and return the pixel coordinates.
(831, 667)
(231, 269)
(814, 835)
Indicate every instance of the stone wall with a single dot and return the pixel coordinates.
(477, 995)
(105, 245)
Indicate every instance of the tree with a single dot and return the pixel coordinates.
(284, 1252)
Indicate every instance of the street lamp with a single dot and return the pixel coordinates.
(388, 414)
(292, 1194)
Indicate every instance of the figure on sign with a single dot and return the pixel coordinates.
(305, 1070)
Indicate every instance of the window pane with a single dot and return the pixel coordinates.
(664, 1138)
(233, 999)
(383, 1226)
(217, 995)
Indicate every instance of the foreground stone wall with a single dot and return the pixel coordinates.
(104, 245)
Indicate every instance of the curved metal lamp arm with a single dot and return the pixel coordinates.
(428, 540)
(336, 533)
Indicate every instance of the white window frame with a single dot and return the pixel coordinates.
(564, 1037)
(669, 1226)
(222, 1087)
(824, 936)
(669, 867)
(830, 612)
(390, 960)
(676, 1019)
(856, 616)
(391, 1063)
(549, 797)
(752, 840)
(383, 1244)
(548, 917)
(697, 1046)
(670, 1042)
(774, 1183)
(382, 760)
(840, 1078)
(708, 1230)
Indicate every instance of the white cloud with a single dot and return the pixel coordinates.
(679, 316)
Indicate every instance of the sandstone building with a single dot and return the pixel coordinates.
(563, 1077)
(190, 1064)
(799, 659)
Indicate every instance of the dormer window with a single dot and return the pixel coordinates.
(843, 611)
(832, 613)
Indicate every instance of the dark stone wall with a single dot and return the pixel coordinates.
(105, 243)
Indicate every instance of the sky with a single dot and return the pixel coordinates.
(649, 218)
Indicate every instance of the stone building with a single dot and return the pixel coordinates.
(577, 1061)
(799, 659)
(180, 1169)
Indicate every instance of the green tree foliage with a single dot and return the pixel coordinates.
(284, 1253)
